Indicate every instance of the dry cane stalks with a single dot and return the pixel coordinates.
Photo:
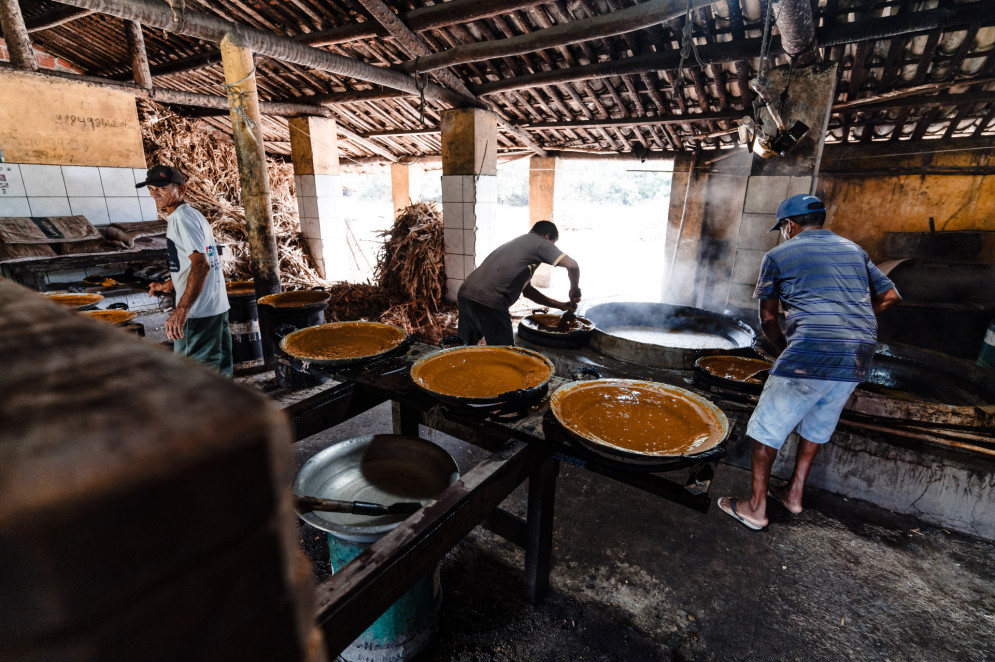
(213, 188)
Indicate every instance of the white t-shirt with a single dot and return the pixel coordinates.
(187, 231)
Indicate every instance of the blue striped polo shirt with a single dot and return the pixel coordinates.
(825, 284)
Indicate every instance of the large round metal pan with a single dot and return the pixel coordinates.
(342, 343)
(300, 300)
(730, 372)
(484, 376)
(546, 329)
(383, 469)
(639, 420)
(76, 301)
(111, 316)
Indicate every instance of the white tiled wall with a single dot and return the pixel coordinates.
(103, 195)
(318, 202)
(469, 205)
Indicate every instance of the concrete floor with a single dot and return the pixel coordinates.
(636, 577)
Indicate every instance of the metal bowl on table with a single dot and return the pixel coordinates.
(382, 469)
(640, 421)
(484, 376)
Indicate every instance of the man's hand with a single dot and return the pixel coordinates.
(164, 287)
(175, 322)
(574, 294)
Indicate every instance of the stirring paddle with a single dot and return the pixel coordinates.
(307, 504)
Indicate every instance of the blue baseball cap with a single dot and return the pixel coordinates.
(797, 205)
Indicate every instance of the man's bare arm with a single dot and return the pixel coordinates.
(885, 300)
(768, 322)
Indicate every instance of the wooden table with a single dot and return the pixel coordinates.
(524, 444)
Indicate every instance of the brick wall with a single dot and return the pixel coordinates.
(45, 60)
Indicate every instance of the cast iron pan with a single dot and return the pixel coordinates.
(542, 328)
(705, 378)
(516, 398)
(604, 448)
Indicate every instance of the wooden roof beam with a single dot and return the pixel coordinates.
(651, 12)
(419, 20)
(214, 28)
(53, 18)
(414, 46)
(193, 99)
(748, 49)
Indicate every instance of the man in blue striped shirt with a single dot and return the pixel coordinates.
(831, 293)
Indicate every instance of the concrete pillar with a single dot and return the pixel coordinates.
(542, 184)
(400, 185)
(315, 154)
(741, 212)
(405, 184)
(469, 189)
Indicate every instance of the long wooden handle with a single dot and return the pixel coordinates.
(307, 504)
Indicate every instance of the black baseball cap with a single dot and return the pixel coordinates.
(161, 175)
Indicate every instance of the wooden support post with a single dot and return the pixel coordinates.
(405, 419)
(539, 535)
(139, 57)
(240, 82)
(16, 35)
(246, 122)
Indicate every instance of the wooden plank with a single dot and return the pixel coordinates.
(354, 597)
(56, 120)
(539, 546)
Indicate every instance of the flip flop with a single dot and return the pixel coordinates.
(772, 495)
(731, 512)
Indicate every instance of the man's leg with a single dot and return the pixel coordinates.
(494, 324)
(203, 341)
(814, 430)
(467, 328)
(761, 461)
(791, 494)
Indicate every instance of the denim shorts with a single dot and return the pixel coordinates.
(810, 406)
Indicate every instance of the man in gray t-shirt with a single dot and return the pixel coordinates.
(493, 287)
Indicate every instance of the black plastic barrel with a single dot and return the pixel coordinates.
(243, 320)
(285, 312)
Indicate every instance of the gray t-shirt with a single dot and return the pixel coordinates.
(187, 231)
(500, 279)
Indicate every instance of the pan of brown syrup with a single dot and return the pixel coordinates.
(342, 343)
(733, 372)
(484, 376)
(638, 419)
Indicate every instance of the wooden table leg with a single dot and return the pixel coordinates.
(405, 419)
(539, 541)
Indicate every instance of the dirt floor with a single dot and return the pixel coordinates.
(636, 577)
